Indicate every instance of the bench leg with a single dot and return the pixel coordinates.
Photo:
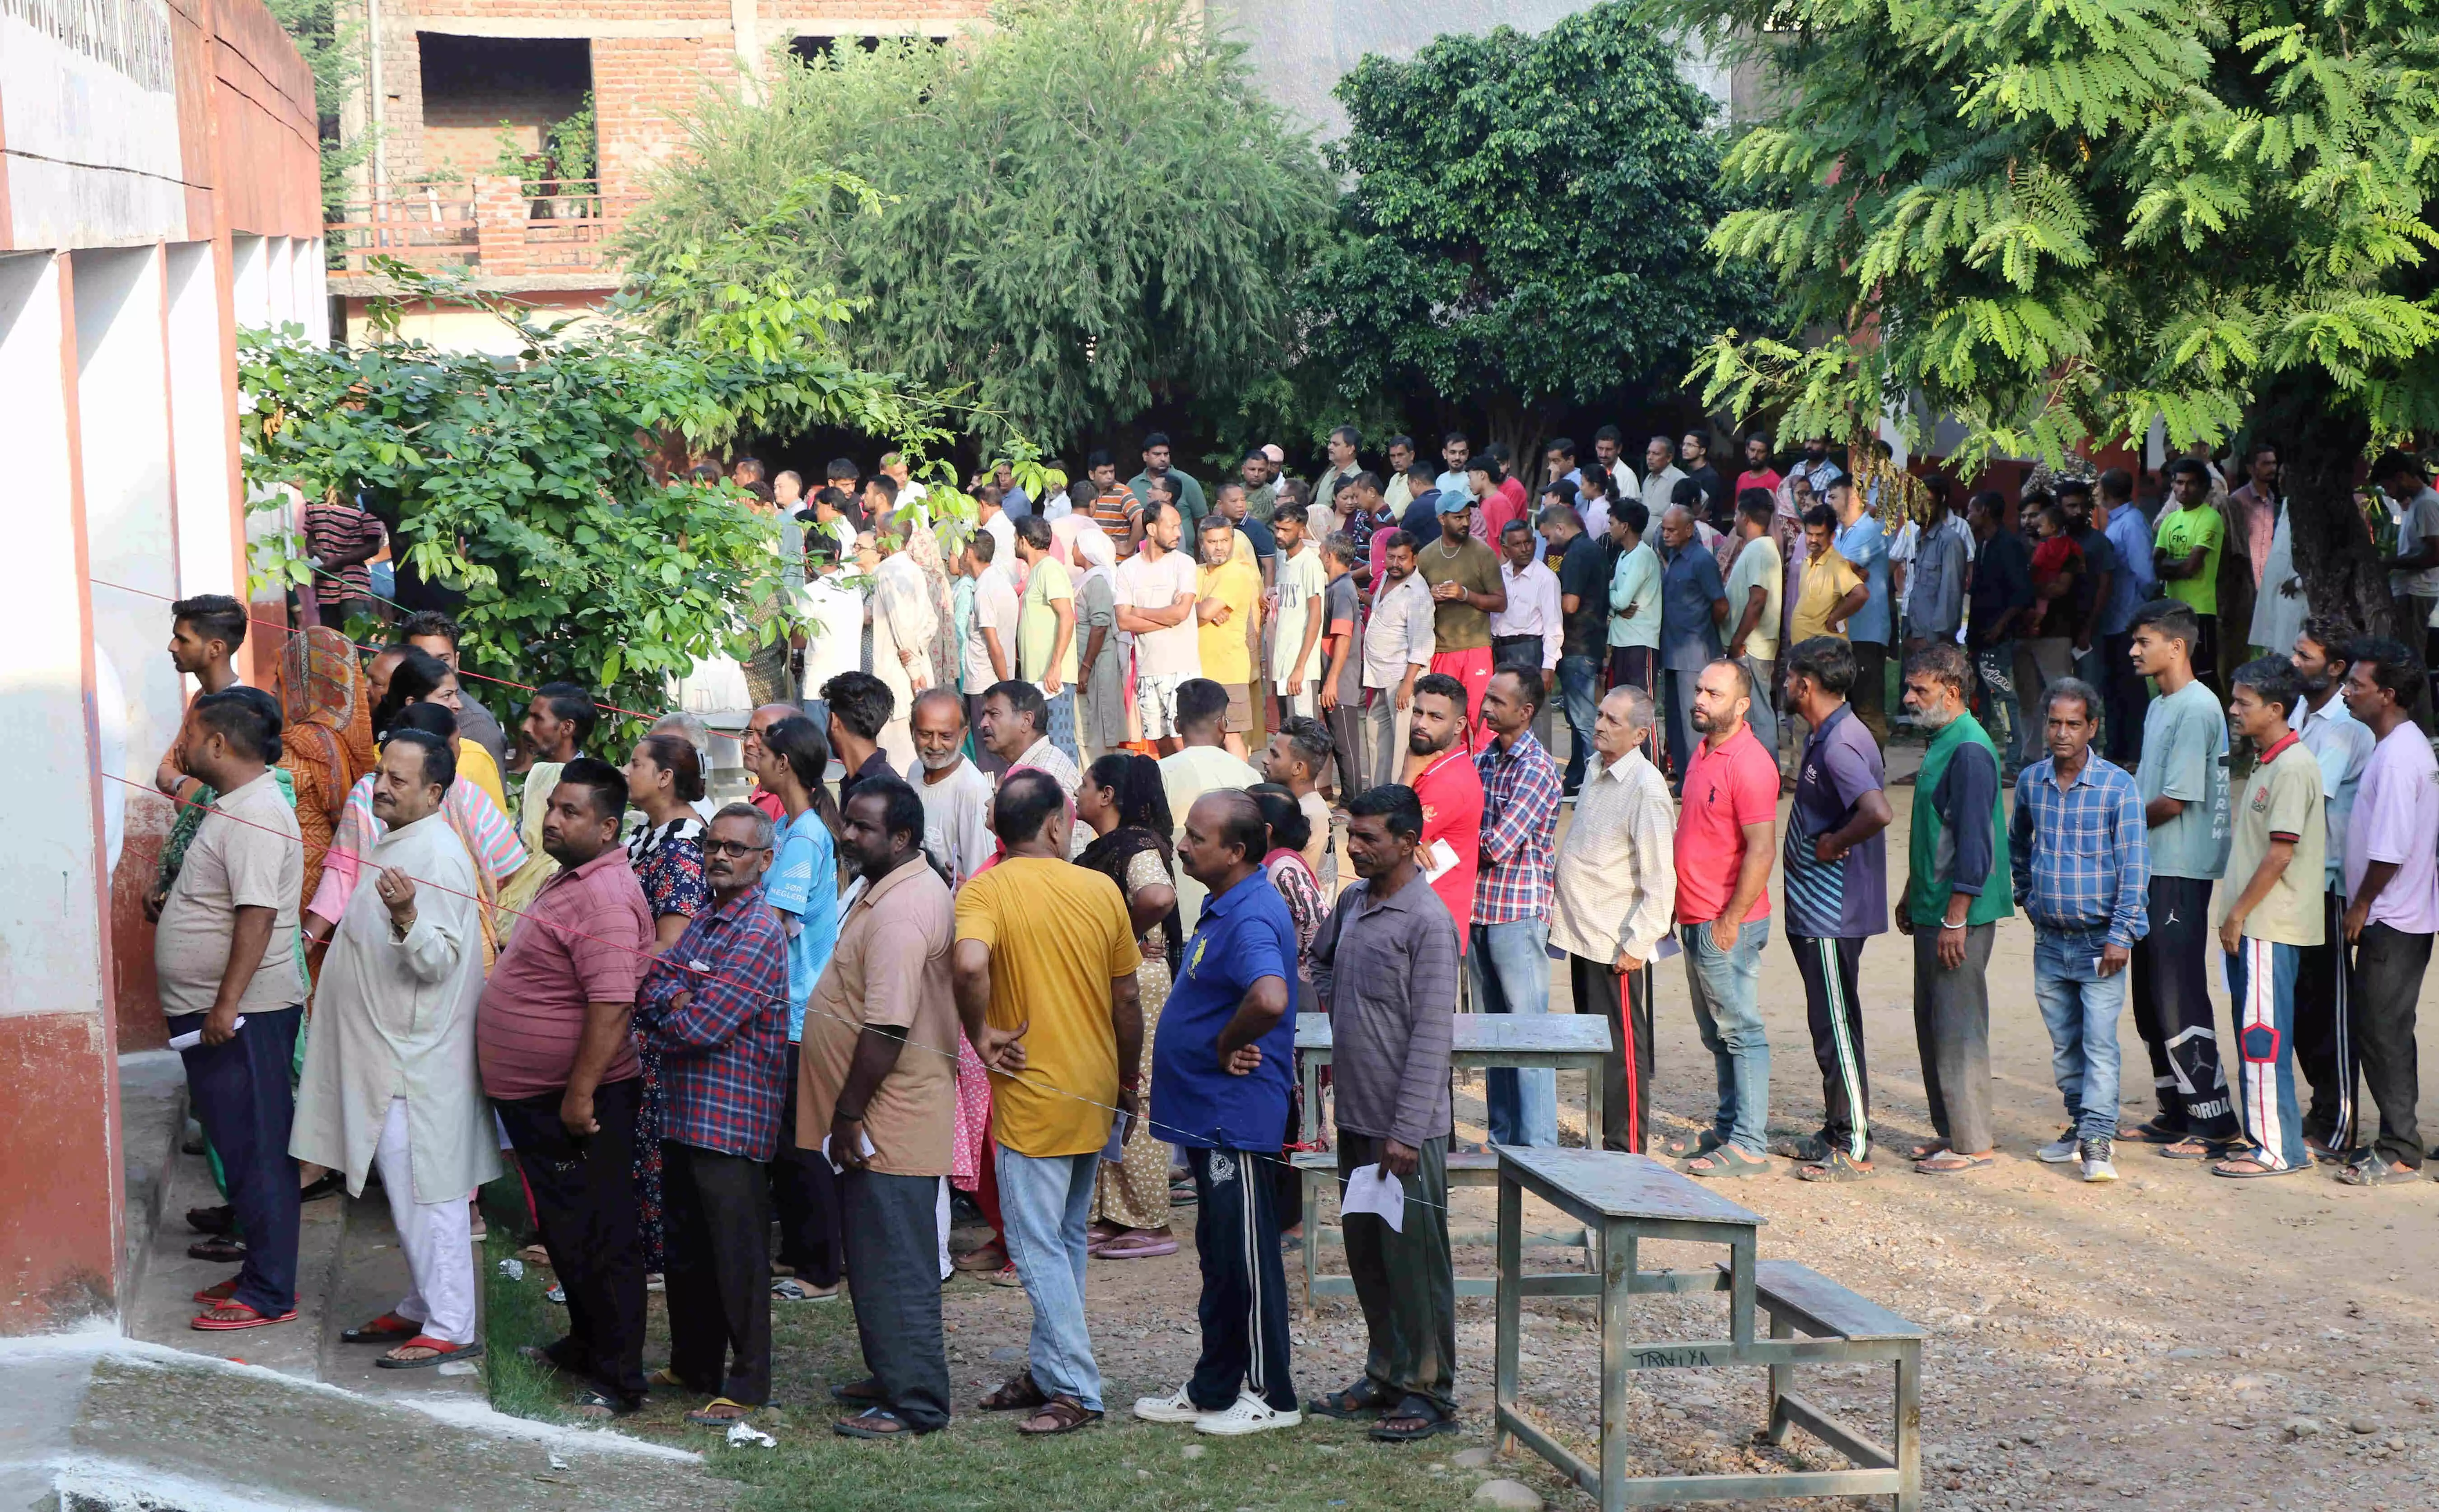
(1908, 1447)
(1509, 1306)
(1782, 1381)
(1618, 1261)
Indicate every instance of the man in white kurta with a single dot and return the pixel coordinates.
(389, 1069)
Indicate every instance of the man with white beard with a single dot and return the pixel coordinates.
(956, 796)
(390, 1070)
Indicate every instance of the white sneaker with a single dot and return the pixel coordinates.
(2097, 1164)
(2059, 1150)
(1177, 1409)
(1249, 1413)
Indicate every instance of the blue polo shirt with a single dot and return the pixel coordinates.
(1866, 549)
(1846, 898)
(1689, 584)
(1244, 935)
(803, 891)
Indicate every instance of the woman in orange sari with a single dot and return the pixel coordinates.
(329, 735)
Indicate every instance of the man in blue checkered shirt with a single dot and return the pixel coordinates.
(2082, 862)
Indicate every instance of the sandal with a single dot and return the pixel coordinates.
(1065, 1415)
(983, 1257)
(867, 1390)
(1683, 1148)
(539, 1356)
(1840, 1167)
(595, 1406)
(2252, 1167)
(1138, 1244)
(440, 1349)
(2152, 1131)
(226, 1317)
(387, 1328)
(2372, 1170)
(1018, 1391)
(875, 1422)
(1804, 1150)
(1952, 1161)
(222, 1290)
(1726, 1161)
(720, 1411)
(1362, 1400)
(219, 1249)
(1925, 1151)
(1414, 1420)
(667, 1379)
(212, 1219)
(2323, 1154)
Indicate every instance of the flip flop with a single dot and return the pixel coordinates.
(2151, 1131)
(867, 1424)
(1953, 1162)
(218, 1248)
(222, 1291)
(1728, 1161)
(228, 1317)
(389, 1328)
(710, 1415)
(2260, 1168)
(1925, 1151)
(1136, 1245)
(441, 1349)
(867, 1390)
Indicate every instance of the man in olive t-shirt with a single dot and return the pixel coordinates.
(1467, 590)
(2269, 910)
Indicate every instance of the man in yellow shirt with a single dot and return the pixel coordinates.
(1231, 596)
(1832, 589)
(1044, 973)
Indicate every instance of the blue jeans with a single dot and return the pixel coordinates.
(1579, 691)
(1047, 1204)
(1511, 974)
(2080, 1008)
(1726, 989)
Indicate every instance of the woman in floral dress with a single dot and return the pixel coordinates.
(664, 778)
(1122, 800)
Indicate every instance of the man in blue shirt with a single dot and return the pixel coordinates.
(1223, 1061)
(2134, 584)
(1837, 898)
(2081, 861)
(1872, 628)
(1693, 603)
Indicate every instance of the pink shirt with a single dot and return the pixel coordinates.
(2396, 813)
(583, 940)
(1725, 789)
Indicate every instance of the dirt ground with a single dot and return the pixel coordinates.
(2172, 1340)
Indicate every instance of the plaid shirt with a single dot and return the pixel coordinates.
(1520, 832)
(2081, 853)
(725, 1052)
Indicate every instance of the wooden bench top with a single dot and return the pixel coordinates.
(1492, 1034)
(1823, 1308)
(1327, 1160)
(1603, 1184)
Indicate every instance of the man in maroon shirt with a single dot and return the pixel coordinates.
(559, 1067)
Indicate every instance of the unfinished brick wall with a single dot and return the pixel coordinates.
(643, 89)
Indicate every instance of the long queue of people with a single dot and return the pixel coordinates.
(1047, 949)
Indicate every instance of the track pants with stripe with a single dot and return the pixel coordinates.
(1244, 1308)
(1625, 1000)
(2172, 1012)
(2324, 1032)
(1830, 965)
(2261, 982)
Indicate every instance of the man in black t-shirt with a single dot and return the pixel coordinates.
(2091, 585)
(1582, 567)
(2002, 592)
(1694, 455)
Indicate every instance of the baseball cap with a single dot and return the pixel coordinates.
(1454, 500)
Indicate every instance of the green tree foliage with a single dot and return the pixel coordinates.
(530, 486)
(2059, 222)
(1527, 224)
(1086, 208)
(335, 51)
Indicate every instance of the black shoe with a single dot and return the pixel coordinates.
(219, 1220)
(322, 1185)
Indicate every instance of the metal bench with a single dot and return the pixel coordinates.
(1630, 1199)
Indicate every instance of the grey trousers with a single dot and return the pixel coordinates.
(1405, 1282)
(1762, 715)
(891, 1225)
(1951, 1028)
(1384, 736)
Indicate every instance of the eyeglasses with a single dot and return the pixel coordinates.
(730, 848)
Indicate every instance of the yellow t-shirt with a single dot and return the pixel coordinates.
(1825, 583)
(1227, 655)
(1059, 936)
(475, 765)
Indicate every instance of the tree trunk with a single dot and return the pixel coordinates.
(2321, 450)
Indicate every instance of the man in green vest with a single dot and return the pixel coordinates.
(1956, 888)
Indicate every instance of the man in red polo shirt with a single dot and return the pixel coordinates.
(1727, 832)
(1449, 786)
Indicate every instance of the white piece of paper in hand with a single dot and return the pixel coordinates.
(1667, 948)
(1437, 860)
(1372, 1189)
(192, 1037)
(835, 1167)
(1115, 1152)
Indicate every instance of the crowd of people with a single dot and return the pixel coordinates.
(1038, 864)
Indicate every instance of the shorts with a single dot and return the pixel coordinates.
(1240, 708)
(1156, 703)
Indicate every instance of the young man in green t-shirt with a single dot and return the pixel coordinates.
(2275, 855)
(2186, 548)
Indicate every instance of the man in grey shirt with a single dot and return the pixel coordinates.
(1384, 963)
(1935, 584)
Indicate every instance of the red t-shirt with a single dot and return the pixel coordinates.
(1725, 789)
(1451, 791)
(1766, 478)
